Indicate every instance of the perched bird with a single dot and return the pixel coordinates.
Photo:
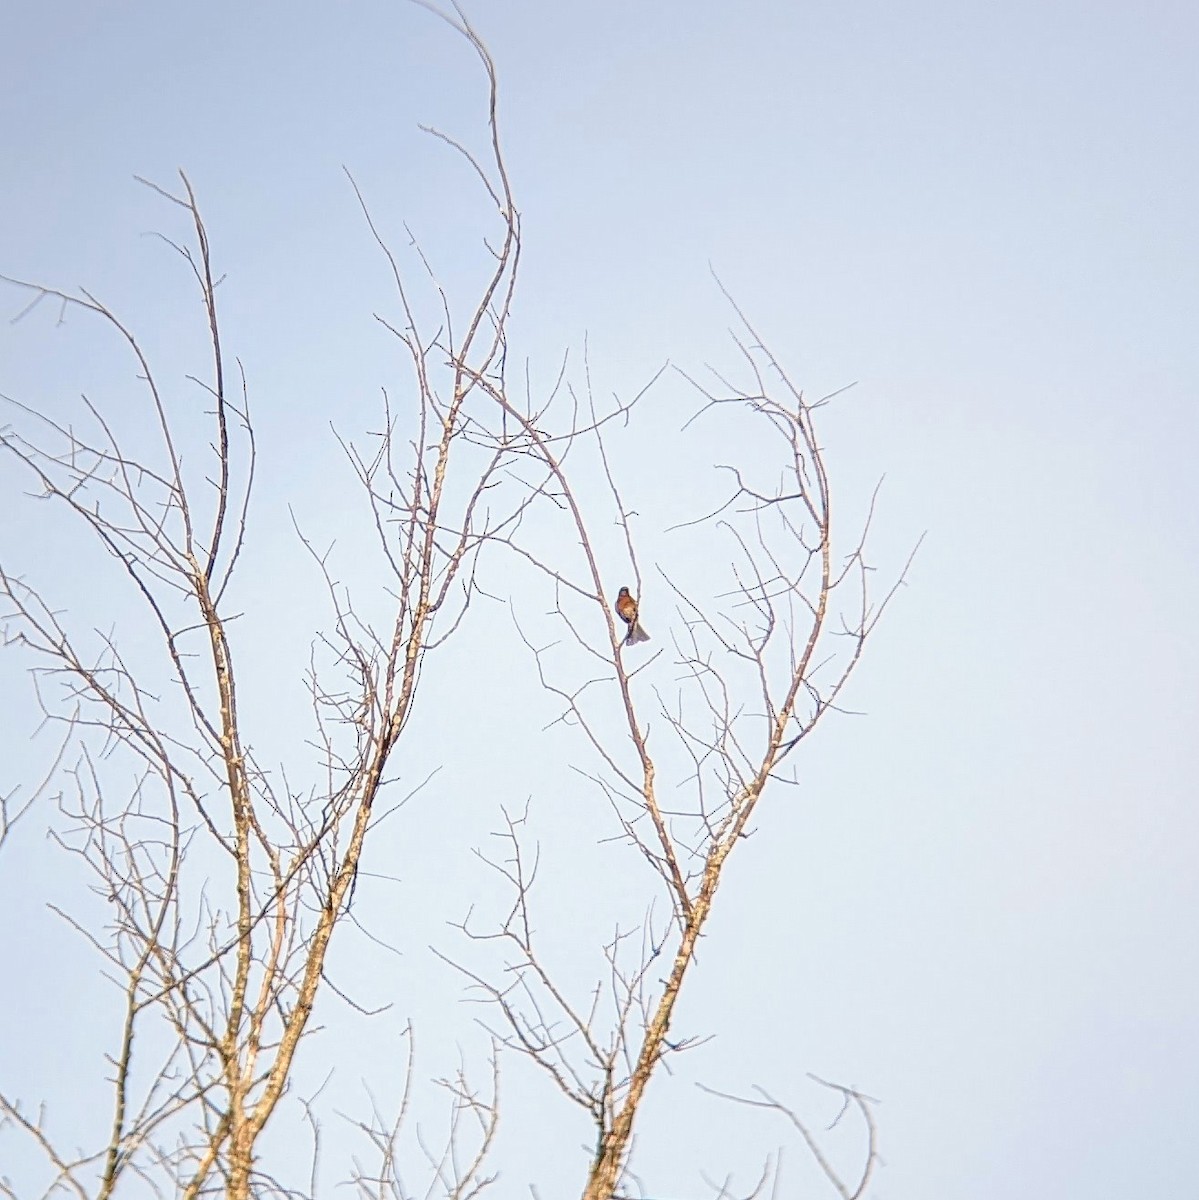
(626, 610)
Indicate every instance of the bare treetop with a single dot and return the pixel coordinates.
(225, 884)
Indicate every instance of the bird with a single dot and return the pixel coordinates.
(626, 610)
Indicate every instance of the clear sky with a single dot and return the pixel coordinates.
(981, 906)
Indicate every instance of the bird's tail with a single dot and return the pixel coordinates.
(636, 634)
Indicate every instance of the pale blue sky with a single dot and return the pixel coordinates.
(987, 216)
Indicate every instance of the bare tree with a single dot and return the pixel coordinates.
(224, 885)
(759, 668)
